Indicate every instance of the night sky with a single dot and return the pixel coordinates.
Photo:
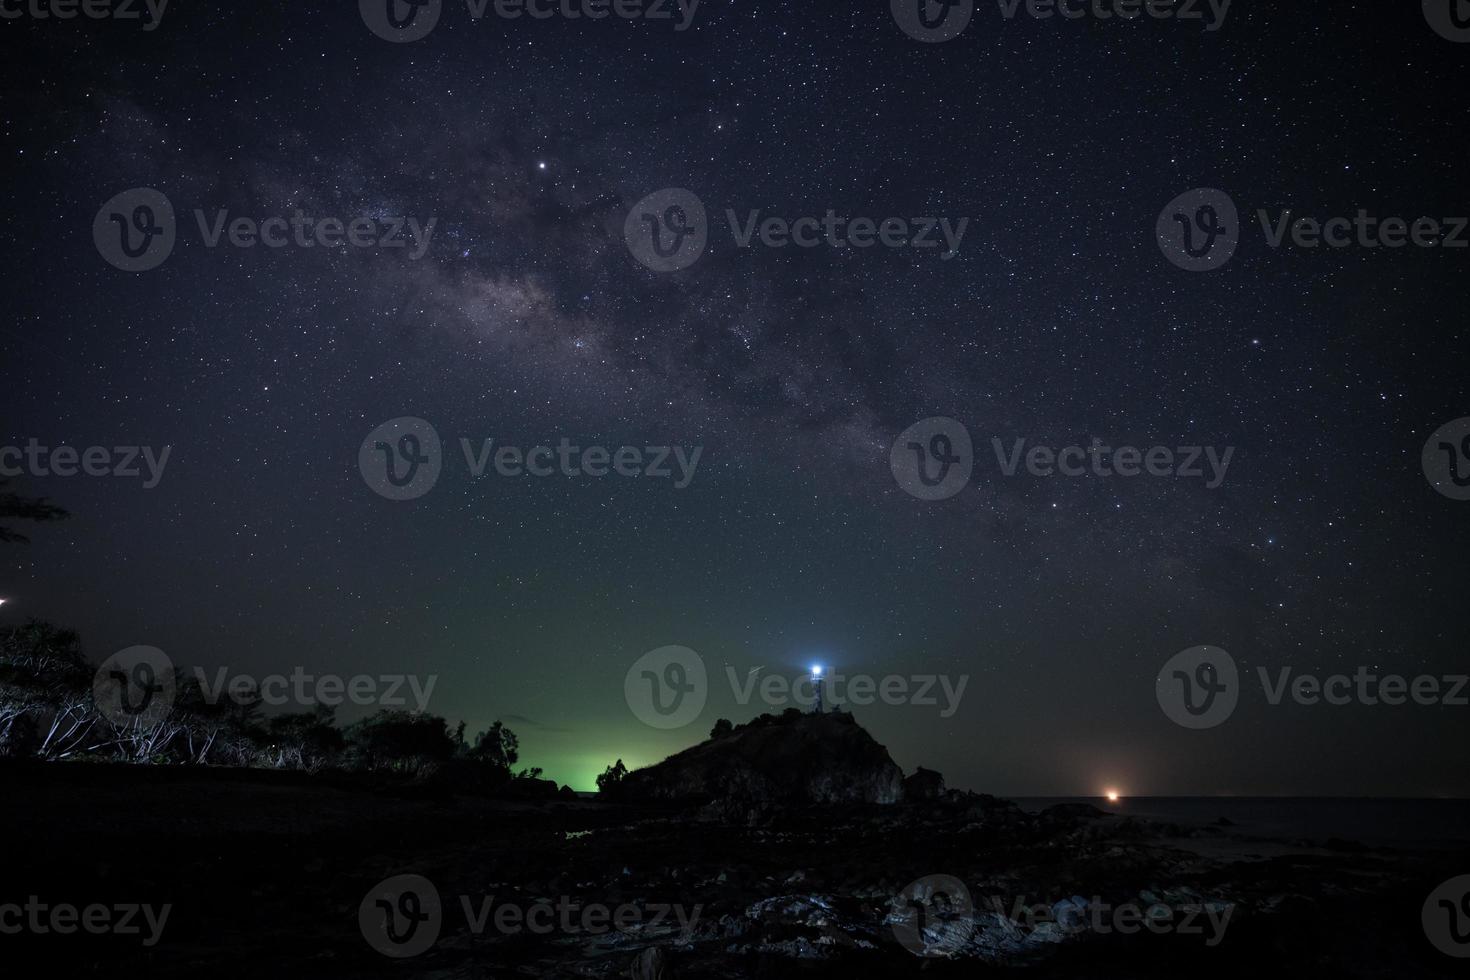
(1059, 320)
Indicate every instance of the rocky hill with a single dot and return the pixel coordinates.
(775, 759)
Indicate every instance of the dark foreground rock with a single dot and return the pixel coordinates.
(271, 877)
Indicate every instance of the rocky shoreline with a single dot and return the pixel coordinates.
(284, 874)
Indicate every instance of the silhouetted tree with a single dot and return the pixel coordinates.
(15, 507)
(611, 777)
(498, 747)
(721, 729)
(45, 692)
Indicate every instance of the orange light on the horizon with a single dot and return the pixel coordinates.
(1112, 796)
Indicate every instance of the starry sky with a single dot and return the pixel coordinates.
(1059, 321)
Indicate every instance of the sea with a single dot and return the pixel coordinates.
(1421, 823)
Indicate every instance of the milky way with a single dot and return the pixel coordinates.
(1057, 321)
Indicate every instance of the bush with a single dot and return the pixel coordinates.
(399, 742)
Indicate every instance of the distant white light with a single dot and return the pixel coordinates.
(816, 670)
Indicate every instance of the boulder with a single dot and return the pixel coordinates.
(793, 758)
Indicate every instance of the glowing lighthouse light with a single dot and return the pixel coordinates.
(816, 668)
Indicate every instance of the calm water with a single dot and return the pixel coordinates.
(1439, 823)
